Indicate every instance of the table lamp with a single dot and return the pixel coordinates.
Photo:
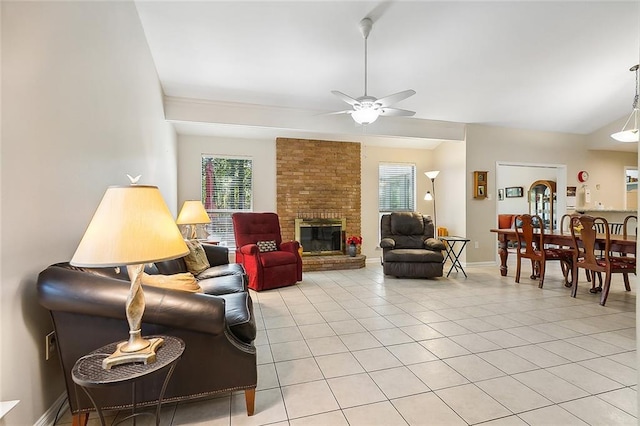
(132, 226)
(192, 214)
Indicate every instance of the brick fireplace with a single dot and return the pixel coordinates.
(318, 179)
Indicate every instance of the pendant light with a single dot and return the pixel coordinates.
(630, 134)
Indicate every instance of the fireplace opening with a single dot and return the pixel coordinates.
(320, 236)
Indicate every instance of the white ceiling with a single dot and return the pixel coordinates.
(554, 66)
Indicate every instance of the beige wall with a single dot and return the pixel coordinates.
(262, 151)
(487, 145)
(372, 156)
(82, 106)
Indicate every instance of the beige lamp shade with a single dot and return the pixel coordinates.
(192, 213)
(131, 226)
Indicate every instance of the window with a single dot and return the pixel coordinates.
(396, 187)
(227, 187)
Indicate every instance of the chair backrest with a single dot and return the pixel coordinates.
(249, 228)
(505, 221)
(524, 225)
(407, 229)
(565, 221)
(630, 223)
(584, 230)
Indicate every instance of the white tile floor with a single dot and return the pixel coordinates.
(358, 348)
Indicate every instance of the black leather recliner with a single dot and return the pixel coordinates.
(409, 248)
(217, 326)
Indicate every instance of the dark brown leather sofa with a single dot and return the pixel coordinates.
(217, 326)
(408, 247)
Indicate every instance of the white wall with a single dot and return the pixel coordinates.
(523, 176)
(82, 106)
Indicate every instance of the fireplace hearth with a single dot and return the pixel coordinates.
(320, 236)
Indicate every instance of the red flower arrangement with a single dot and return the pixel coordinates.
(355, 240)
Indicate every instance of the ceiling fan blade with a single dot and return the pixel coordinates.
(378, 11)
(396, 97)
(346, 98)
(346, 111)
(397, 112)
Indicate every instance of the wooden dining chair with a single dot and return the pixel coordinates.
(586, 245)
(567, 270)
(530, 236)
(631, 220)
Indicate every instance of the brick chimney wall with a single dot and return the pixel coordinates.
(317, 176)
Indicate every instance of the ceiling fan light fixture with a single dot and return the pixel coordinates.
(629, 132)
(365, 115)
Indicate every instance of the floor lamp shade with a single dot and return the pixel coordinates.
(132, 226)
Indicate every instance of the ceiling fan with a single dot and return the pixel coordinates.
(367, 109)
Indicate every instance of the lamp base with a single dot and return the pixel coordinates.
(121, 356)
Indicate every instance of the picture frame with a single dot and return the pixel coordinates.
(571, 191)
(500, 194)
(514, 192)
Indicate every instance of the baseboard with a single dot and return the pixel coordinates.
(490, 263)
(57, 408)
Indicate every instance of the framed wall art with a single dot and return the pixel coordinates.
(514, 192)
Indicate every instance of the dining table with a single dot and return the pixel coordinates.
(619, 243)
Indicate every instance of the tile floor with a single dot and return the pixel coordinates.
(358, 348)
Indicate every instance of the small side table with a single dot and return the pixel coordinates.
(88, 373)
(453, 252)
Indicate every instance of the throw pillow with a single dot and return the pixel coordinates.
(184, 281)
(196, 260)
(264, 246)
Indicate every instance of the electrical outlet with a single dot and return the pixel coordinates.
(50, 345)
(476, 244)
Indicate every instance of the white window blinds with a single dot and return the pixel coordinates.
(227, 187)
(396, 187)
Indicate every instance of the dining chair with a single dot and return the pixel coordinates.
(627, 223)
(565, 224)
(530, 237)
(586, 244)
(614, 228)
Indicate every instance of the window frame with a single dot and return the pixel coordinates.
(413, 195)
(227, 237)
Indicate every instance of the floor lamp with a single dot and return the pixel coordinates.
(432, 196)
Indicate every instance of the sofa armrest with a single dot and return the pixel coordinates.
(249, 249)
(387, 243)
(290, 246)
(434, 244)
(79, 292)
(216, 254)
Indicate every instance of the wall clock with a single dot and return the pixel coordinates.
(583, 176)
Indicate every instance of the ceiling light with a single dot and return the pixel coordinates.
(365, 115)
(630, 134)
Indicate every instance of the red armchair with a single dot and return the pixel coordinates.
(274, 264)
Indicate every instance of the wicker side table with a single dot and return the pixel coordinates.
(88, 373)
